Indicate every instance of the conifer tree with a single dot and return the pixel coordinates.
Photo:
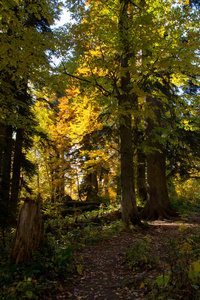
(26, 42)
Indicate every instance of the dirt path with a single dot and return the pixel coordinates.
(103, 270)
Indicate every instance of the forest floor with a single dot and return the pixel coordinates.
(102, 271)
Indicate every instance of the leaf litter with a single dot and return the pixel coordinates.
(102, 271)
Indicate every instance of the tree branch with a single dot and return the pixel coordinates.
(77, 77)
(101, 88)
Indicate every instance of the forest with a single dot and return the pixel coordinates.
(99, 149)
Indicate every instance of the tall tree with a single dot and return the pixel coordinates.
(26, 42)
(158, 204)
(127, 100)
(123, 48)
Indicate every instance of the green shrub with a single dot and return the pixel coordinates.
(44, 272)
(182, 274)
(139, 255)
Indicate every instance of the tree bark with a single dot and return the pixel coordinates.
(106, 182)
(30, 232)
(126, 100)
(23, 112)
(92, 187)
(158, 205)
(2, 146)
(141, 176)
(6, 156)
(128, 199)
(16, 171)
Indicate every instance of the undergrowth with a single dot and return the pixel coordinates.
(51, 266)
(139, 255)
(46, 271)
(185, 195)
(83, 229)
(181, 275)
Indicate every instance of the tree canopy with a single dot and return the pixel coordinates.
(123, 96)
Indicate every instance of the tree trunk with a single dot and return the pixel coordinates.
(141, 176)
(158, 205)
(16, 171)
(5, 176)
(126, 101)
(92, 187)
(2, 146)
(106, 182)
(30, 232)
(128, 199)
(23, 112)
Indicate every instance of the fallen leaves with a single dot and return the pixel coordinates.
(106, 272)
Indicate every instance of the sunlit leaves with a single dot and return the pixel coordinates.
(162, 42)
(23, 37)
(179, 79)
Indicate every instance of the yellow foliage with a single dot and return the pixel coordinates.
(179, 79)
(189, 189)
(80, 269)
(186, 249)
(183, 227)
(194, 272)
(185, 2)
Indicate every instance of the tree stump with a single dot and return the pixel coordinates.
(30, 232)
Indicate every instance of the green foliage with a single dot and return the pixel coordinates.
(185, 196)
(179, 260)
(52, 210)
(194, 273)
(46, 272)
(181, 271)
(139, 254)
(186, 206)
(162, 280)
(91, 233)
(51, 265)
(82, 228)
(181, 274)
(194, 241)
